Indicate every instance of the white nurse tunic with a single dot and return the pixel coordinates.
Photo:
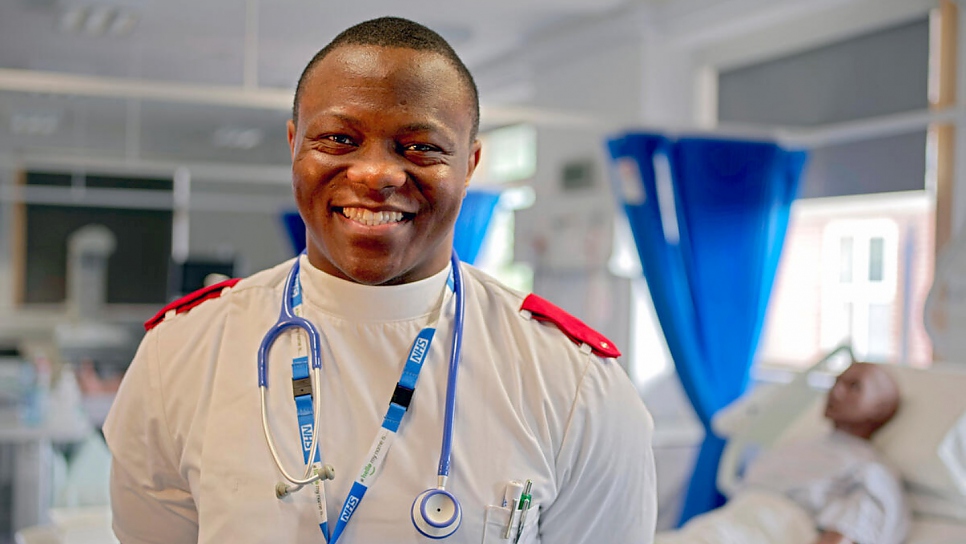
(191, 463)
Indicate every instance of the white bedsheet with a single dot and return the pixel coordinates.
(753, 517)
(759, 518)
(936, 531)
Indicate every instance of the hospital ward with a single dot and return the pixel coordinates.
(555, 271)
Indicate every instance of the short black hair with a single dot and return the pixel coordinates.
(401, 33)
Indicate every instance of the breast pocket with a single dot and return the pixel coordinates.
(497, 520)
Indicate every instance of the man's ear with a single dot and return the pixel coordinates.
(290, 127)
(473, 161)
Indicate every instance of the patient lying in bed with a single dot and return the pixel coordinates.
(833, 490)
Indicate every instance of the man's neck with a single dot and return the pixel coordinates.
(860, 430)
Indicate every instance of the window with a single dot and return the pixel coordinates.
(853, 269)
(860, 263)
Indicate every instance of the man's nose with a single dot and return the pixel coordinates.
(837, 390)
(377, 167)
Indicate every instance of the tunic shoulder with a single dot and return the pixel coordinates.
(576, 330)
(539, 310)
(189, 301)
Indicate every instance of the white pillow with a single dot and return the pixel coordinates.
(925, 440)
(952, 451)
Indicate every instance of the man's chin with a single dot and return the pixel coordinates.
(371, 275)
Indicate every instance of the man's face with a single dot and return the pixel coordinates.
(861, 394)
(381, 157)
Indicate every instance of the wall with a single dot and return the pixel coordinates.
(567, 234)
(256, 240)
(248, 226)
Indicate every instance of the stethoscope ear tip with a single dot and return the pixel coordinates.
(282, 490)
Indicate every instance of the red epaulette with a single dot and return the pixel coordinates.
(575, 329)
(189, 301)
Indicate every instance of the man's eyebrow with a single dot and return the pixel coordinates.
(348, 119)
(421, 127)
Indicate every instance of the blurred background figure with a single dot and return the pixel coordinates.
(833, 489)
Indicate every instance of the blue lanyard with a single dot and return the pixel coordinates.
(398, 405)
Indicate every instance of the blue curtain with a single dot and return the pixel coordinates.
(471, 225)
(295, 228)
(473, 222)
(709, 218)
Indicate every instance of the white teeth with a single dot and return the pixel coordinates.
(371, 218)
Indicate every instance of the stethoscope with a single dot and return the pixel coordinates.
(436, 513)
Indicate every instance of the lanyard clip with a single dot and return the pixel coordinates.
(302, 387)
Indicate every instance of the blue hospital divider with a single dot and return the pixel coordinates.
(709, 218)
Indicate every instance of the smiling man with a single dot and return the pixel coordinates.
(383, 146)
(521, 427)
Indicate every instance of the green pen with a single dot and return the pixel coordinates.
(524, 506)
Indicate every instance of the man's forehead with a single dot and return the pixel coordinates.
(871, 374)
(411, 77)
(860, 370)
(375, 61)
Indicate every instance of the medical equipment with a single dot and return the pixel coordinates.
(436, 512)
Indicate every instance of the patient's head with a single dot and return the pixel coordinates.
(863, 399)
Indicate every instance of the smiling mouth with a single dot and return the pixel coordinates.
(370, 218)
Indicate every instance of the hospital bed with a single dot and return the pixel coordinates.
(926, 441)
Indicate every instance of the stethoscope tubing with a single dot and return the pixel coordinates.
(288, 320)
(446, 448)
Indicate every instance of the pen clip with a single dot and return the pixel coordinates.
(509, 522)
(524, 507)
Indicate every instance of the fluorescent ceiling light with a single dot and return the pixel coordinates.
(98, 20)
(123, 24)
(237, 138)
(34, 124)
(72, 19)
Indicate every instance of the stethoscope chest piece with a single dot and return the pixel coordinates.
(436, 513)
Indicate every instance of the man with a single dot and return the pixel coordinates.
(832, 490)
(853, 496)
(383, 142)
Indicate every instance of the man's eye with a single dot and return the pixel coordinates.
(421, 148)
(340, 139)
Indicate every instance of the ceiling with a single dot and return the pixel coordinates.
(247, 44)
(256, 49)
(205, 42)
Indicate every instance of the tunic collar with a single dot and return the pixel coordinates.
(366, 303)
